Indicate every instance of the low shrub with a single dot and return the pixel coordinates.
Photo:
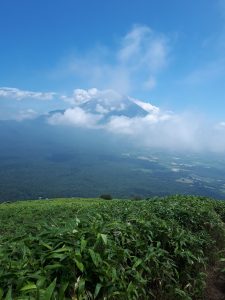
(106, 197)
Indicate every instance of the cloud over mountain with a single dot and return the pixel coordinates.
(75, 116)
(107, 109)
(117, 114)
(136, 120)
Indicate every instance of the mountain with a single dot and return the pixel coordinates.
(43, 159)
(100, 109)
(125, 107)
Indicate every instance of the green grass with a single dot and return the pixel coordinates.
(119, 249)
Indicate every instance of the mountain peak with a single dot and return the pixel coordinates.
(109, 103)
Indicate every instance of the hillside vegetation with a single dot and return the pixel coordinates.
(109, 249)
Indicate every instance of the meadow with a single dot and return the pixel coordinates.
(159, 248)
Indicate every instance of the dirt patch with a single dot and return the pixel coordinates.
(215, 283)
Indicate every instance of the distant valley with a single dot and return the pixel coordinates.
(40, 160)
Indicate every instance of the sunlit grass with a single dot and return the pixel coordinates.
(109, 249)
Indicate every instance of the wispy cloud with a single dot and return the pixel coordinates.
(18, 104)
(17, 94)
(27, 114)
(143, 48)
(133, 64)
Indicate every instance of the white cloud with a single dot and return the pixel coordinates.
(144, 48)
(155, 128)
(220, 126)
(133, 65)
(81, 96)
(17, 94)
(27, 114)
(159, 129)
(121, 125)
(100, 109)
(75, 117)
(142, 122)
(108, 110)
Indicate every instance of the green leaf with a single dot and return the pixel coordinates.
(137, 263)
(63, 249)
(46, 245)
(104, 238)
(1, 293)
(94, 257)
(9, 294)
(113, 274)
(83, 245)
(181, 293)
(53, 267)
(97, 290)
(77, 221)
(130, 288)
(41, 281)
(81, 286)
(49, 291)
(29, 286)
(62, 290)
(79, 264)
(60, 256)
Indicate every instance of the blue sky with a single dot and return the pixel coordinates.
(58, 46)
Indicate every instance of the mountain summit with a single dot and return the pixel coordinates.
(93, 106)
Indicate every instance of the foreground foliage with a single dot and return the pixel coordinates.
(95, 249)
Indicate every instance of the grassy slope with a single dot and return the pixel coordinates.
(91, 248)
